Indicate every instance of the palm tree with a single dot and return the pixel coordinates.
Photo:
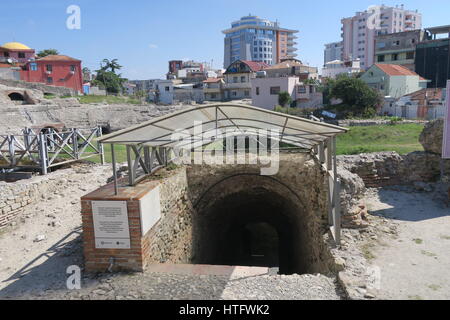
(113, 65)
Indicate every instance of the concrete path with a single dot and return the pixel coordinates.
(416, 265)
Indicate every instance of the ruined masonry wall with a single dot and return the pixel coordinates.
(14, 197)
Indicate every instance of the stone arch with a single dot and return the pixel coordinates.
(226, 209)
(16, 96)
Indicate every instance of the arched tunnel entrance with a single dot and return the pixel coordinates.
(17, 97)
(254, 226)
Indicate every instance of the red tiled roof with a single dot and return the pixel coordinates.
(58, 58)
(212, 80)
(255, 65)
(429, 93)
(396, 70)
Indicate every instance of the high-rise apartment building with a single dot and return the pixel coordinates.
(359, 32)
(254, 39)
(333, 52)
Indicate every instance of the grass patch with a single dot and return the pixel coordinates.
(49, 96)
(418, 241)
(108, 100)
(445, 237)
(415, 297)
(429, 254)
(434, 287)
(402, 138)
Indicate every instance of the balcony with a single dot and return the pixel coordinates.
(212, 90)
(238, 85)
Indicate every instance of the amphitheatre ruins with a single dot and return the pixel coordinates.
(140, 225)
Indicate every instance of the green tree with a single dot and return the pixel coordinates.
(107, 78)
(284, 98)
(110, 65)
(47, 52)
(357, 97)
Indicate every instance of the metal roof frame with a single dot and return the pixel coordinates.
(300, 130)
(151, 142)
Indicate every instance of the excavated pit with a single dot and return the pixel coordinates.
(264, 225)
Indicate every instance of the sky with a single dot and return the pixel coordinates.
(145, 34)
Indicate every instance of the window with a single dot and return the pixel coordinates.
(246, 93)
(235, 79)
(234, 94)
(243, 79)
(21, 55)
(49, 80)
(301, 89)
(257, 91)
(72, 68)
(49, 68)
(410, 55)
(167, 88)
(381, 58)
(33, 66)
(213, 96)
(6, 54)
(274, 90)
(395, 57)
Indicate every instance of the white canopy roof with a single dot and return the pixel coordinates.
(232, 118)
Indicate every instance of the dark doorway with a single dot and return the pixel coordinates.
(252, 228)
(15, 96)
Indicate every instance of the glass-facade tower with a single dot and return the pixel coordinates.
(255, 39)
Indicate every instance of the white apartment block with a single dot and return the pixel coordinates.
(359, 32)
(333, 52)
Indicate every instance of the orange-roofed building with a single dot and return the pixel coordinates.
(55, 70)
(393, 81)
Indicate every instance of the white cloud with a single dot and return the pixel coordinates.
(153, 46)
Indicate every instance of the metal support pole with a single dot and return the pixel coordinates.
(75, 143)
(43, 154)
(100, 146)
(131, 172)
(12, 150)
(113, 159)
(322, 153)
(337, 213)
(329, 154)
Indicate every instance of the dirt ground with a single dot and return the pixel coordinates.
(415, 263)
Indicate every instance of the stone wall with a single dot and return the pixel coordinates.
(432, 137)
(74, 115)
(59, 91)
(15, 196)
(390, 168)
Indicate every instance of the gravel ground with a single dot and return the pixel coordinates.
(415, 265)
(161, 286)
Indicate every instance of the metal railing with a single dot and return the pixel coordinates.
(48, 148)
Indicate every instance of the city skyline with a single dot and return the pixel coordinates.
(143, 37)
